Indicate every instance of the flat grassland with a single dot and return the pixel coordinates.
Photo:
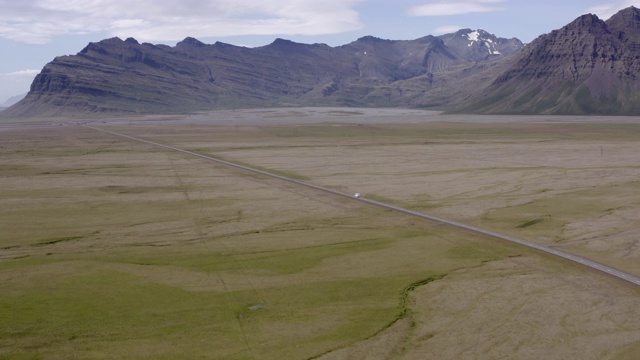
(116, 249)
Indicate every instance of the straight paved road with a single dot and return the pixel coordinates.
(565, 255)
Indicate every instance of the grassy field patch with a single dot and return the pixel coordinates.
(115, 249)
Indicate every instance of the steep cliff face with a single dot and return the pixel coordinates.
(587, 67)
(112, 75)
(125, 76)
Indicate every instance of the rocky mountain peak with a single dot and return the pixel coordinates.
(584, 29)
(479, 44)
(629, 17)
(586, 20)
(588, 66)
(114, 41)
(190, 42)
(371, 39)
(482, 39)
(283, 43)
(625, 25)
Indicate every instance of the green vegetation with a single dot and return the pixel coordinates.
(131, 252)
(116, 249)
(548, 217)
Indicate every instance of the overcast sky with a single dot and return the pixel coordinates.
(33, 32)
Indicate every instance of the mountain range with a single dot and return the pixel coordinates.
(589, 66)
(12, 100)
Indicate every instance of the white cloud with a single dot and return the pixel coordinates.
(447, 8)
(26, 73)
(447, 29)
(36, 22)
(606, 10)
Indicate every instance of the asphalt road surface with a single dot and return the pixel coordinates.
(565, 255)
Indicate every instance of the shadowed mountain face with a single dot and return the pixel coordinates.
(128, 77)
(587, 67)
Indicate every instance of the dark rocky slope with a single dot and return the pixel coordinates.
(589, 66)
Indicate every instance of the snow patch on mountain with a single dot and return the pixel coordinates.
(483, 39)
(473, 36)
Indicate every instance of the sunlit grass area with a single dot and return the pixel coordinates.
(116, 249)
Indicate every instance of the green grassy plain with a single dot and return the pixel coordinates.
(116, 249)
